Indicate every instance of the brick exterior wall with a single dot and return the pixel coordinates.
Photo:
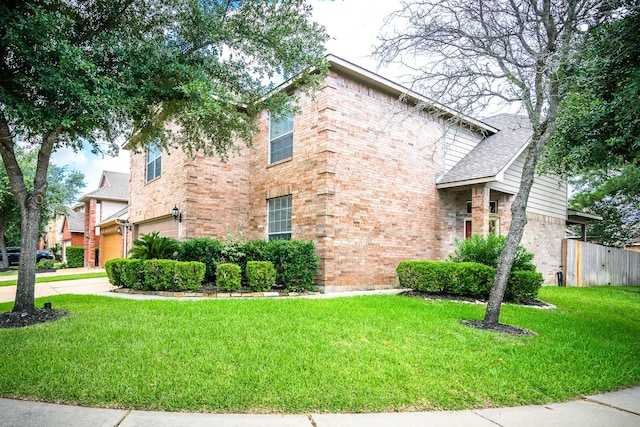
(543, 236)
(362, 180)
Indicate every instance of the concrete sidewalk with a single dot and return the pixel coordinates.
(620, 409)
(98, 285)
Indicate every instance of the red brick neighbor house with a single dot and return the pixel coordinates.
(72, 230)
(102, 209)
(370, 179)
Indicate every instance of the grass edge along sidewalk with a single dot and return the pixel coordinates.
(59, 276)
(358, 354)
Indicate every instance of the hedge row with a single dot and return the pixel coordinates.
(155, 274)
(74, 256)
(295, 261)
(466, 278)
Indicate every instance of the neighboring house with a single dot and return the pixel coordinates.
(110, 198)
(113, 236)
(72, 231)
(370, 179)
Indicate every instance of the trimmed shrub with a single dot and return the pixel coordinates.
(424, 276)
(228, 276)
(261, 275)
(466, 279)
(75, 256)
(486, 250)
(204, 250)
(470, 279)
(295, 261)
(189, 275)
(132, 273)
(113, 267)
(46, 264)
(523, 285)
(159, 274)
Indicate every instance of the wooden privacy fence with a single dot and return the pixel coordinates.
(587, 264)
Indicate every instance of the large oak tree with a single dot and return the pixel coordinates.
(76, 72)
(465, 53)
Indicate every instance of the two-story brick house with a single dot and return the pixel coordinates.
(372, 180)
(100, 206)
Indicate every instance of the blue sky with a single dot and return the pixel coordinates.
(353, 26)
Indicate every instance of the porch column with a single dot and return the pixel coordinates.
(480, 209)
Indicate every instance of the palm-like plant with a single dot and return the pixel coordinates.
(154, 246)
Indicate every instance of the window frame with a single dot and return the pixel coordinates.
(156, 162)
(288, 149)
(277, 211)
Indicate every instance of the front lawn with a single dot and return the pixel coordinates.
(359, 354)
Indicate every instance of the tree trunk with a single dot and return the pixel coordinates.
(518, 222)
(30, 204)
(4, 257)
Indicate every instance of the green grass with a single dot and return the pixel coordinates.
(373, 353)
(60, 278)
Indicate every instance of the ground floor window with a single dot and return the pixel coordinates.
(279, 218)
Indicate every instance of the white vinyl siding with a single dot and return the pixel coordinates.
(548, 194)
(458, 143)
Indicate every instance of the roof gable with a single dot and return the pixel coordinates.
(488, 160)
(113, 186)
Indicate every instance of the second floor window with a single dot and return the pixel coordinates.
(154, 162)
(281, 138)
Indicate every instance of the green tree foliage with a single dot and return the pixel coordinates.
(597, 140)
(89, 72)
(63, 189)
(154, 246)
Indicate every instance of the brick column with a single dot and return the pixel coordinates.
(480, 210)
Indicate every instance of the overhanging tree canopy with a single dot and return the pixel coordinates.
(81, 72)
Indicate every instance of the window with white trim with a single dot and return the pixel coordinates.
(279, 218)
(154, 161)
(280, 138)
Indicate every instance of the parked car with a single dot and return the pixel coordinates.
(13, 253)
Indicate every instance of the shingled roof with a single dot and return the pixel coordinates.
(75, 221)
(493, 155)
(113, 186)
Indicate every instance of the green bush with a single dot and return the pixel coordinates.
(424, 276)
(75, 256)
(261, 275)
(465, 279)
(189, 275)
(46, 264)
(154, 246)
(228, 276)
(159, 274)
(204, 250)
(295, 261)
(523, 285)
(132, 273)
(486, 250)
(113, 267)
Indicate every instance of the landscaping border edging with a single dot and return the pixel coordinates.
(266, 294)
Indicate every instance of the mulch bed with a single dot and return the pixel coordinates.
(40, 315)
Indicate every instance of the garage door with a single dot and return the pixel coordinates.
(111, 247)
(166, 227)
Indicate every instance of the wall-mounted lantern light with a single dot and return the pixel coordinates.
(175, 212)
(119, 230)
